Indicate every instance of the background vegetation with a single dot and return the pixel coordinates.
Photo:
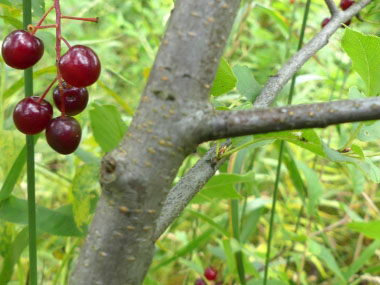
(316, 240)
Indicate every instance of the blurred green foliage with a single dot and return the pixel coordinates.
(341, 187)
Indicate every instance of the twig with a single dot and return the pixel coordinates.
(226, 124)
(332, 7)
(275, 83)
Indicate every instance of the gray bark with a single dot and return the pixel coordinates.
(137, 175)
(257, 121)
(276, 82)
(177, 196)
(168, 125)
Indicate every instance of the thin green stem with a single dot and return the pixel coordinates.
(28, 75)
(278, 172)
(240, 147)
(353, 136)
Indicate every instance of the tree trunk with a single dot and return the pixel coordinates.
(173, 117)
(137, 176)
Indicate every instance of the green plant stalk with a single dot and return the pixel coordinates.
(278, 172)
(28, 75)
(353, 136)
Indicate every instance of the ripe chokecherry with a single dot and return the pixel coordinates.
(63, 134)
(325, 22)
(80, 66)
(75, 99)
(31, 116)
(210, 273)
(200, 281)
(22, 50)
(345, 4)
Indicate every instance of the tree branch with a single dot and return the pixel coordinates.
(276, 82)
(332, 7)
(187, 188)
(257, 121)
(137, 175)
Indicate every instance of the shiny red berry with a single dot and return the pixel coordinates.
(75, 99)
(22, 50)
(31, 117)
(63, 134)
(345, 4)
(210, 273)
(325, 22)
(80, 66)
(200, 281)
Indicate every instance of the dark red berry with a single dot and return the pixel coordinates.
(325, 22)
(200, 281)
(347, 23)
(80, 66)
(75, 99)
(63, 134)
(31, 117)
(345, 4)
(210, 273)
(22, 50)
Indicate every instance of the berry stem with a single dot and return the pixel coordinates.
(95, 20)
(46, 27)
(58, 49)
(66, 42)
(42, 19)
(47, 90)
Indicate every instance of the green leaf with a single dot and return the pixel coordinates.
(325, 255)
(373, 172)
(12, 21)
(269, 282)
(314, 187)
(222, 187)
(14, 173)
(6, 236)
(369, 133)
(358, 150)
(84, 182)
(10, 144)
(307, 140)
(364, 53)
(49, 41)
(369, 229)
(246, 83)
(6, 2)
(358, 179)
(57, 222)
(38, 7)
(362, 259)
(355, 93)
(20, 83)
(196, 243)
(107, 125)
(210, 222)
(229, 255)
(14, 253)
(225, 79)
(294, 174)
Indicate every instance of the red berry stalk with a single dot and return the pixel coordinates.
(22, 50)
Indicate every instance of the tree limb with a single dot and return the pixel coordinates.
(332, 7)
(137, 175)
(227, 124)
(276, 82)
(187, 187)
(182, 193)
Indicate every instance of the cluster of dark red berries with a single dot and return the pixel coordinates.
(344, 5)
(78, 68)
(210, 274)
